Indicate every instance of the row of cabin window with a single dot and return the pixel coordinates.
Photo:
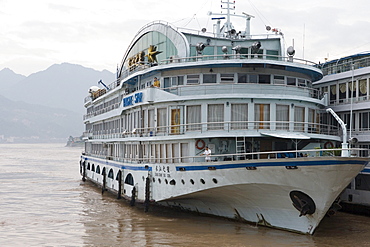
(344, 91)
(97, 170)
(233, 78)
(245, 52)
(211, 79)
(159, 153)
(215, 114)
(128, 180)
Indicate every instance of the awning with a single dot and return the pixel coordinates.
(286, 135)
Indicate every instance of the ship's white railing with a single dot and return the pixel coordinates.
(233, 126)
(245, 88)
(249, 56)
(344, 64)
(289, 154)
(231, 88)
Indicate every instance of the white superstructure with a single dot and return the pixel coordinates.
(240, 95)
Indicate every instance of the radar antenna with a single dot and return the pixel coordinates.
(228, 27)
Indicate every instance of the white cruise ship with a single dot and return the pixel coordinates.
(246, 99)
(346, 82)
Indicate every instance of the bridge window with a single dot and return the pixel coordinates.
(209, 78)
(192, 79)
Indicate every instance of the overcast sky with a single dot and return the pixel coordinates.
(36, 34)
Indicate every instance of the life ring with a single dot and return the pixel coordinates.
(200, 144)
(328, 145)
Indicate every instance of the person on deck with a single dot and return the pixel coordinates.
(156, 82)
(207, 152)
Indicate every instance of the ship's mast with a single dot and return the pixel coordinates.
(228, 28)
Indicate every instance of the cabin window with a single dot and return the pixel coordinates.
(169, 153)
(352, 90)
(253, 78)
(362, 88)
(282, 117)
(227, 78)
(110, 174)
(215, 117)
(242, 78)
(176, 152)
(184, 152)
(129, 179)
(239, 116)
(162, 153)
(364, 121)
(313, 118)
(193, 117)
(262, 116)
(166, 82)
(362, 182)
(291, 81)
(342, 91)
(209, 78)
(98, 169)
(161, 119)
(333, 93)
(151, 119)
(264, 79)
(299, 118)
(93, 168)
(88, 166)
(279, 80)
(173, 81)
(192, 79)
(302, 83)
(180, 80)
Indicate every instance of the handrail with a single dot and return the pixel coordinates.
(288, 154)
(181, 129)
(223, 57)
(233, 88)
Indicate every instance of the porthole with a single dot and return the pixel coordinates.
(173, 182)
(202, 181)
(159, 180)
(191, 181)
(182, 181)
(153, 180)
(214, 180)
(166, 181)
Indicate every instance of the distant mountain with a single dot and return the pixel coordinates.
(61, 85)
(8, 78)
(34, 123)
(47, 105)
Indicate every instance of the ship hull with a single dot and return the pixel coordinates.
(253, 191)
